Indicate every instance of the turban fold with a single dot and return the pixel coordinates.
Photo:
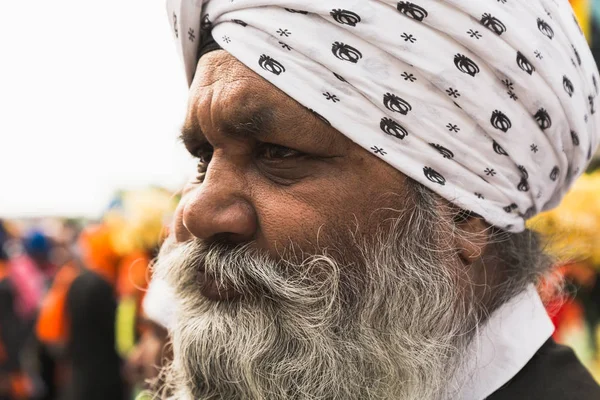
(489, 103)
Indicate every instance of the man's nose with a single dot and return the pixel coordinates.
(217, 207)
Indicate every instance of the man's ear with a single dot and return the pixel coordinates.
(472, 236)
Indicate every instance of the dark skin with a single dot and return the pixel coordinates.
(272, 173)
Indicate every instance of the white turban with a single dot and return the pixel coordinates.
(489, 103)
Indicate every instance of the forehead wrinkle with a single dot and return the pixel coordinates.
(303, 124)
(256, 109)
(233, 107)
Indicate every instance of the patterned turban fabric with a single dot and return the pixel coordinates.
(489, 103)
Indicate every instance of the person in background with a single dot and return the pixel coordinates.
(50, 365)
(30, 272)
(152, 350)
(39, 247)
(115, 253)
(137, 222)
(78, 319)
(14, 383)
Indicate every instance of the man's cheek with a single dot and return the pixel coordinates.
(298, 223)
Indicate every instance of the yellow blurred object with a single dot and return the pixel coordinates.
(127, 312)
(572, 230)
(582, 9)
(138, 225)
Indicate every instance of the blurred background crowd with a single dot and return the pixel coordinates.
(72, 324)
(71, 301)
(76, 318)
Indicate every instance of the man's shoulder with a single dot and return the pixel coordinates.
(554, 373)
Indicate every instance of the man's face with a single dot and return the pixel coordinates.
(301, 263)
(275, 173)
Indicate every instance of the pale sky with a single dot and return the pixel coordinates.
(92, 95)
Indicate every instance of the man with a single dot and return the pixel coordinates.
(307, 268)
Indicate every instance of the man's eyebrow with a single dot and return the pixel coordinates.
(191, 135)
(254, 124)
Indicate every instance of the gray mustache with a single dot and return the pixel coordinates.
(252, 272)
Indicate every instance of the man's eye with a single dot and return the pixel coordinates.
(204, 154)
(276, 152)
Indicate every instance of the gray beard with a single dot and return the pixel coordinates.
(392, 323)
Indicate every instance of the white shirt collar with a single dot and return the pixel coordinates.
(503, 346)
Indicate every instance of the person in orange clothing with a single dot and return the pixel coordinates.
(78, 317)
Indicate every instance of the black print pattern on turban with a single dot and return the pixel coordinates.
(492, 105)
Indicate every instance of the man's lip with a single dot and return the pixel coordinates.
(212, 289)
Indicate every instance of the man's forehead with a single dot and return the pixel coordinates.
(242, 103)
(220, 67)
